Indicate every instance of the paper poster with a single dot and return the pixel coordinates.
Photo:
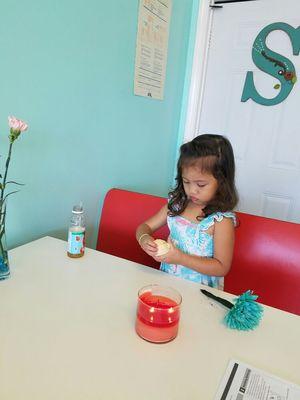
(152, 48)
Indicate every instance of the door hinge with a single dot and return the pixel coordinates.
(218, 3)
(214, 5)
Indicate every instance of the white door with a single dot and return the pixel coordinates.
(266, 139)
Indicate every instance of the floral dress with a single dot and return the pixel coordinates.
(192, 238)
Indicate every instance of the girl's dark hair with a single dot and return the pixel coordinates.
(212, 154)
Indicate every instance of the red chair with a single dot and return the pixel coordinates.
(122, 212)
(266, 254)
(267, 260)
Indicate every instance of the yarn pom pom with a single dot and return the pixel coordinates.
(245, 314)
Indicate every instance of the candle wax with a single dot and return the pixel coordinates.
(157, 318)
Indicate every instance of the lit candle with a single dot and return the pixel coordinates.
(158, 313)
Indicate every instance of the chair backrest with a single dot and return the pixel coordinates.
(266, 254)
(267, 260)
(122, 212)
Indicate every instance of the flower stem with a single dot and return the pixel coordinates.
(5, 174)
(2, 216)
(2, 251)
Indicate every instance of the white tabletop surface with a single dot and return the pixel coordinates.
(67, 333)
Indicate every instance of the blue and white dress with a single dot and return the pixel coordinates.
(192, 238)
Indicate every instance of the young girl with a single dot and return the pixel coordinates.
(198, 214)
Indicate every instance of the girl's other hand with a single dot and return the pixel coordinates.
(148, 245)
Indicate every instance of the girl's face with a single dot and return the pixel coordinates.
(200, 187)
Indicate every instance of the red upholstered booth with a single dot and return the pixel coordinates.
(267, 260)
(266, 255)
(122, 212)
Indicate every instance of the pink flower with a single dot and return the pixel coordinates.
(17, 125)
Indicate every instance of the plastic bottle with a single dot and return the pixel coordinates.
(76, 236)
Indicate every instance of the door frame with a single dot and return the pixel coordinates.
(198, 74)
(199, 65)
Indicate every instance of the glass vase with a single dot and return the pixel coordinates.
(4, 263)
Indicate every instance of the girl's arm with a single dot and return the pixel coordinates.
(145, 230)
(220, 264)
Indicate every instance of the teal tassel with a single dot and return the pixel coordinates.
(245, 314)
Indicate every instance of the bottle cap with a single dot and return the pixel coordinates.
(77, 209)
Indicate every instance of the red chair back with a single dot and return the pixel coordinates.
(266, 254)
(122, 212)
(267, 260)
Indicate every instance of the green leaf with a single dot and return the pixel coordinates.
(15, 183)
(15, 191)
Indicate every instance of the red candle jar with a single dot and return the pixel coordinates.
(158, 312)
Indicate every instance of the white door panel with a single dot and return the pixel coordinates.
(266, 139)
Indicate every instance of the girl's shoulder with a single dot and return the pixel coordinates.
(218, 216)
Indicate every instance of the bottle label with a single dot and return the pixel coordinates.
(76, 243)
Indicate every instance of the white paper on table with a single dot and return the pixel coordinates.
(152, 48)
(244, 382)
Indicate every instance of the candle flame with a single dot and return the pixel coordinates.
(171, 310)
(151, 310)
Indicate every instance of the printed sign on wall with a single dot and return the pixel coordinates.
(273, 64)
(152, 48)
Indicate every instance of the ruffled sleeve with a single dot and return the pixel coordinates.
(209, 221)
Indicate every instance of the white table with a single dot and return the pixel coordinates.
(67, 333)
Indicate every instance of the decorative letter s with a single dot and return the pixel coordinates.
(273, 64)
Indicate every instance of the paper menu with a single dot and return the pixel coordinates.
(244, 382)
(152, 48)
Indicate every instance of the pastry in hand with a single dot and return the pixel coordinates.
(162, 247)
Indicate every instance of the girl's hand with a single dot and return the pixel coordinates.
(173, 256)
(148, 245)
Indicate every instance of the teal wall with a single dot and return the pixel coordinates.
(67, 68)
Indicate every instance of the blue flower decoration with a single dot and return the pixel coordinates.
(245, 314)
